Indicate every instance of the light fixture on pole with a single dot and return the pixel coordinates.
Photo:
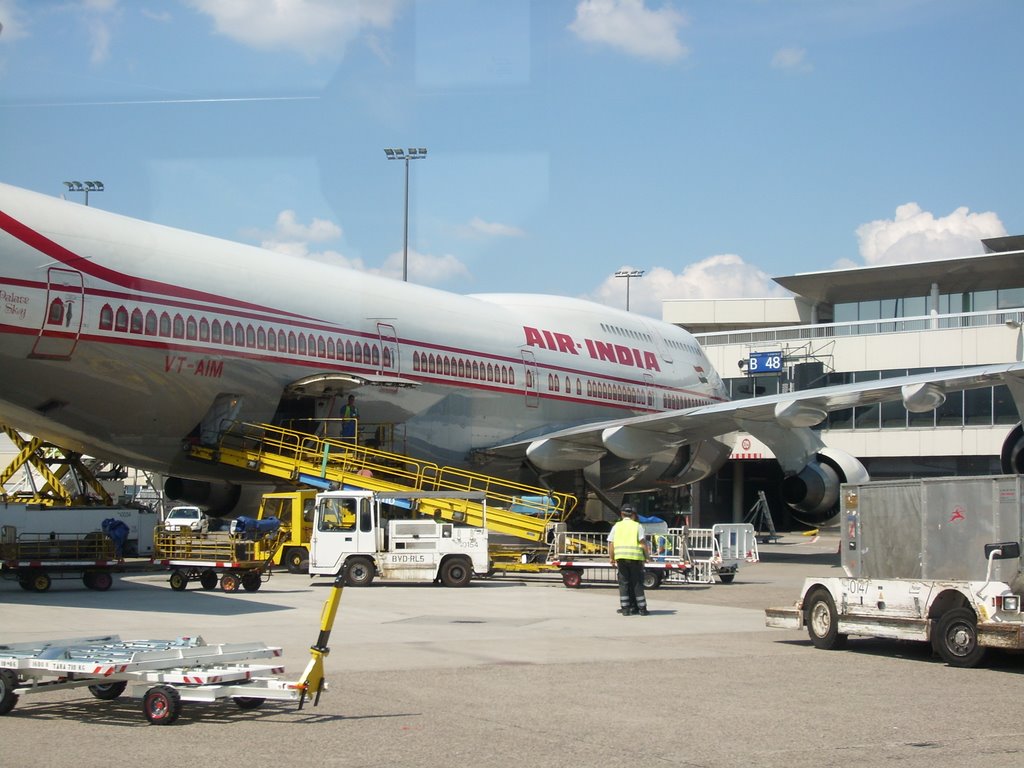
(629, 274)
(401, 154)
(84, 186)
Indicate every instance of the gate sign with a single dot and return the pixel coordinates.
(764, 362)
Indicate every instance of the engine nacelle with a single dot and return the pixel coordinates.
(668, 468)
(814, 490)
(1012, 456)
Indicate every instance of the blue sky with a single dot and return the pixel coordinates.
(712, 144)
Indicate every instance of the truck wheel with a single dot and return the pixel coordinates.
(162, 705)
(823, 621)
(456, 572)
(8, 698)
(296, 560)
(956, 638)
(229, 582)
(179, 580)
(40, 581)
(108, 691)
(652, 579)
(572, 577)
(360, 572)
(208, 579)
(251, 581)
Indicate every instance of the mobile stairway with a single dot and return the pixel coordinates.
(513, 509)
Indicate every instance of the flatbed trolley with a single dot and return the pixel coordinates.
(221, 557)
(36, 559)
(584, 557)
(164, 673)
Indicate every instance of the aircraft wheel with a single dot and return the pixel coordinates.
(955, 638)
(456, 572)
(162, 705)
(360, 572)
(823, 621)
(229, 582)
(8, 698)
(572, 577)
(179, 580)
(108, 691)
(208, 579)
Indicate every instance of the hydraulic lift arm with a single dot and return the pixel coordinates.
(312, 680)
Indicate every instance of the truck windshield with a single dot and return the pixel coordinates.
(337, 514)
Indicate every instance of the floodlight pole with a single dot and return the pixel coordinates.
(629, 274)
(84, 186)
(413, 153)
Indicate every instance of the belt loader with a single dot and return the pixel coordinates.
(933, 560)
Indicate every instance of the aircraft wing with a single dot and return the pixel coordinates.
(775, 419)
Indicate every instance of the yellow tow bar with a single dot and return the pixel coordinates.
(312, 680)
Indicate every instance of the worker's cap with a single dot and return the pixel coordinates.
(627, 509)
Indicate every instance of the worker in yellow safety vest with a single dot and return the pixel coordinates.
(628, 550)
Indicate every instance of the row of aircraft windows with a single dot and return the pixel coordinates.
(693, 349)
(237, 335)
(461, 367)
(626, 332)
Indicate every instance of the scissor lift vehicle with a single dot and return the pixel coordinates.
(35, 560)
(232, 560)
(164, 673)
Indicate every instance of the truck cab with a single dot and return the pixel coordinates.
(367, 534)
(295, 511)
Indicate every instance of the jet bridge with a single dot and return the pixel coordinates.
(517, 510)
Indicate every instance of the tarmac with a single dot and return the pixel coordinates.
(521, 671)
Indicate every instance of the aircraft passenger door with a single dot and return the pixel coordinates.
(649, 391)
(62, 322)
(531, 379)
(390, 360)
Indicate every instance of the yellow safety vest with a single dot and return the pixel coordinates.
(626, 540)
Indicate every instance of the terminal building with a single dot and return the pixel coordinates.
(859, 324)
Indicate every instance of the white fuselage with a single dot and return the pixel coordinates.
(117, 335)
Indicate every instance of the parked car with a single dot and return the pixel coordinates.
(194, 518)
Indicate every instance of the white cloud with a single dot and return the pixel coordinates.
(288, 228)
(424, 268)
(916, 235)
(477, 227)
(12, 21)
(724, 276)
(628, 25)
(313, 28)
(792, 60)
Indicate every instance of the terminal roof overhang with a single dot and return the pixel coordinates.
(889, 281)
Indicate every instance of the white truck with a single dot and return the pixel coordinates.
(394, 536)
(933, 560)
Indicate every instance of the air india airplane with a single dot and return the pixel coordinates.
(122, 340)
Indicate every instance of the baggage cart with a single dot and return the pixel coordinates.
(35, 560)
(231, 559)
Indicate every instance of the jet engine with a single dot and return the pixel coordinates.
(1012, 455)
(814, 490)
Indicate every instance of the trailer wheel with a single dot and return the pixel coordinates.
(727, 578)
(251, 581)
(296, 560)
(248, 702)
(229, 582)
(456, 572)
(162, 705)
(179, 580)
(25, 582)
(8, 698)
(652, 579)
(360, 572)
(40, 581)
(823, 621)
(956, 638)
(208, 579)
(101, 581)
(572, 577)
(108, 691)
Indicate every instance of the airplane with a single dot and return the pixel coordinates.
(123, 340)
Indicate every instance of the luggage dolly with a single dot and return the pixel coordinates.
(164, 673)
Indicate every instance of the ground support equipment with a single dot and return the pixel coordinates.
(36, 559)
(720, 550)
(584, 556)
(164, 673)
(225, 558)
